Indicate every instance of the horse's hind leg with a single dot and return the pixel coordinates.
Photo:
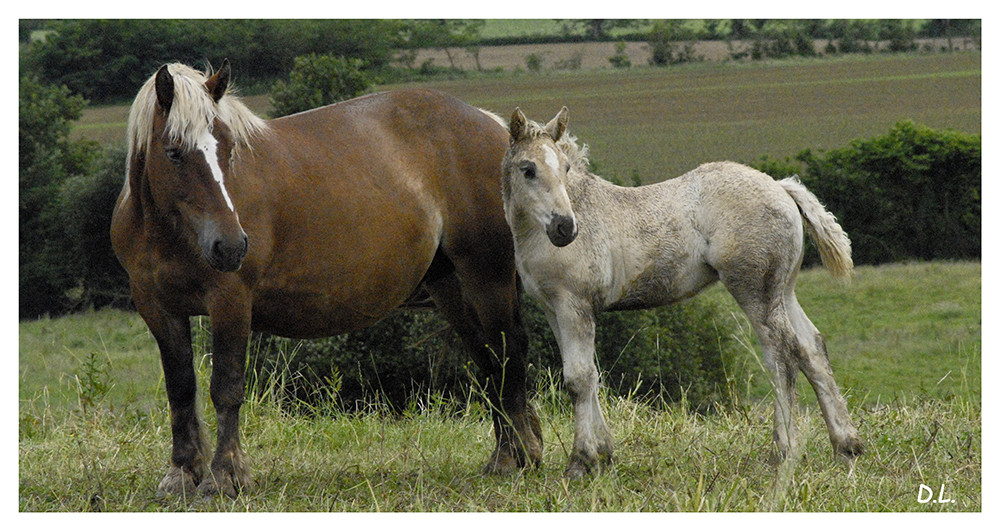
(815, 364)
(487, 316)
(777, 339)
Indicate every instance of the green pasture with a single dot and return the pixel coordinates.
(904, 341)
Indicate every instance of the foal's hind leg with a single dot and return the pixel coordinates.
(815, 364)
(778, 341)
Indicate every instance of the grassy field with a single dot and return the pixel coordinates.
(661, 122)
(904, 341)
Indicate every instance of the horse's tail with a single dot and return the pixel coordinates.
(833, 243)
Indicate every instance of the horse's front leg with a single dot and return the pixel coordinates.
(230, 472)
(573, 325)
(189, 454)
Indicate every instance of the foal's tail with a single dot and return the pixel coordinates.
(833, 243)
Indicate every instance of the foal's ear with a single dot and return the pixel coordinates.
(218, 83)
(517, 125)
(557, 126)
(164, 89)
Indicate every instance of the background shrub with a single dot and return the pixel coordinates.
(318, 80)
(86, 203)
(658, 354)
(47, 158)
(913, 193)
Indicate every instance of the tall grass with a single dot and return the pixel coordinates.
(84, 450)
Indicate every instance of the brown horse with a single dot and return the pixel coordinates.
(313, 225)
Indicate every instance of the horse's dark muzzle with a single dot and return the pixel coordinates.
(561, 230)
(226, 254)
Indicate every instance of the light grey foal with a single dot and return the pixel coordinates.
(584, 246)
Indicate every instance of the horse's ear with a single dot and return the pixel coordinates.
(218, 83)
(517, 125)
(557, 126)
(164, 89)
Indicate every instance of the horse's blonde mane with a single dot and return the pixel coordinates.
(191, 113)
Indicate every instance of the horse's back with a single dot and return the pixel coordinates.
(387, 179)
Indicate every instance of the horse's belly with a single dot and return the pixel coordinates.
(309, 315)
(334, 298)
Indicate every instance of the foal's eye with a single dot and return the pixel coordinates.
(528, 170)
(174, 154)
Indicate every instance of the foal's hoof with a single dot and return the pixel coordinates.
(850, 449)
(177, 482)
(575, 470)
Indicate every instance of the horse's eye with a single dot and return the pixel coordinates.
(174, 154)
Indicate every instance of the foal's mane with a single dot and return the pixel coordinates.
(578, 155)
(191, 114)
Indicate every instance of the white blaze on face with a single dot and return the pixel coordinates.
(208, 146)
(548, 203)
(551, 159)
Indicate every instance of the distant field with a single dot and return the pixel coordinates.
(660, 122)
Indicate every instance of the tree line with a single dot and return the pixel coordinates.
(106, 60)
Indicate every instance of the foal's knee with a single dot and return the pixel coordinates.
(580, 380)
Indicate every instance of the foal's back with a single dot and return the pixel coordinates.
(661, 243)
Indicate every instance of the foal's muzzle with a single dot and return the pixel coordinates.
(561, 230)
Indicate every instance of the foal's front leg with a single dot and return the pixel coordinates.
(573, 326)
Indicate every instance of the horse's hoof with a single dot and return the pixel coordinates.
(212, 487)
(177, 482)
(501, 464)
(222, 482)
(534, 447)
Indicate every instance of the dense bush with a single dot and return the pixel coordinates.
(86, 203)
(666, 44)
(914, 193)
(318, 80)
(47, 158)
